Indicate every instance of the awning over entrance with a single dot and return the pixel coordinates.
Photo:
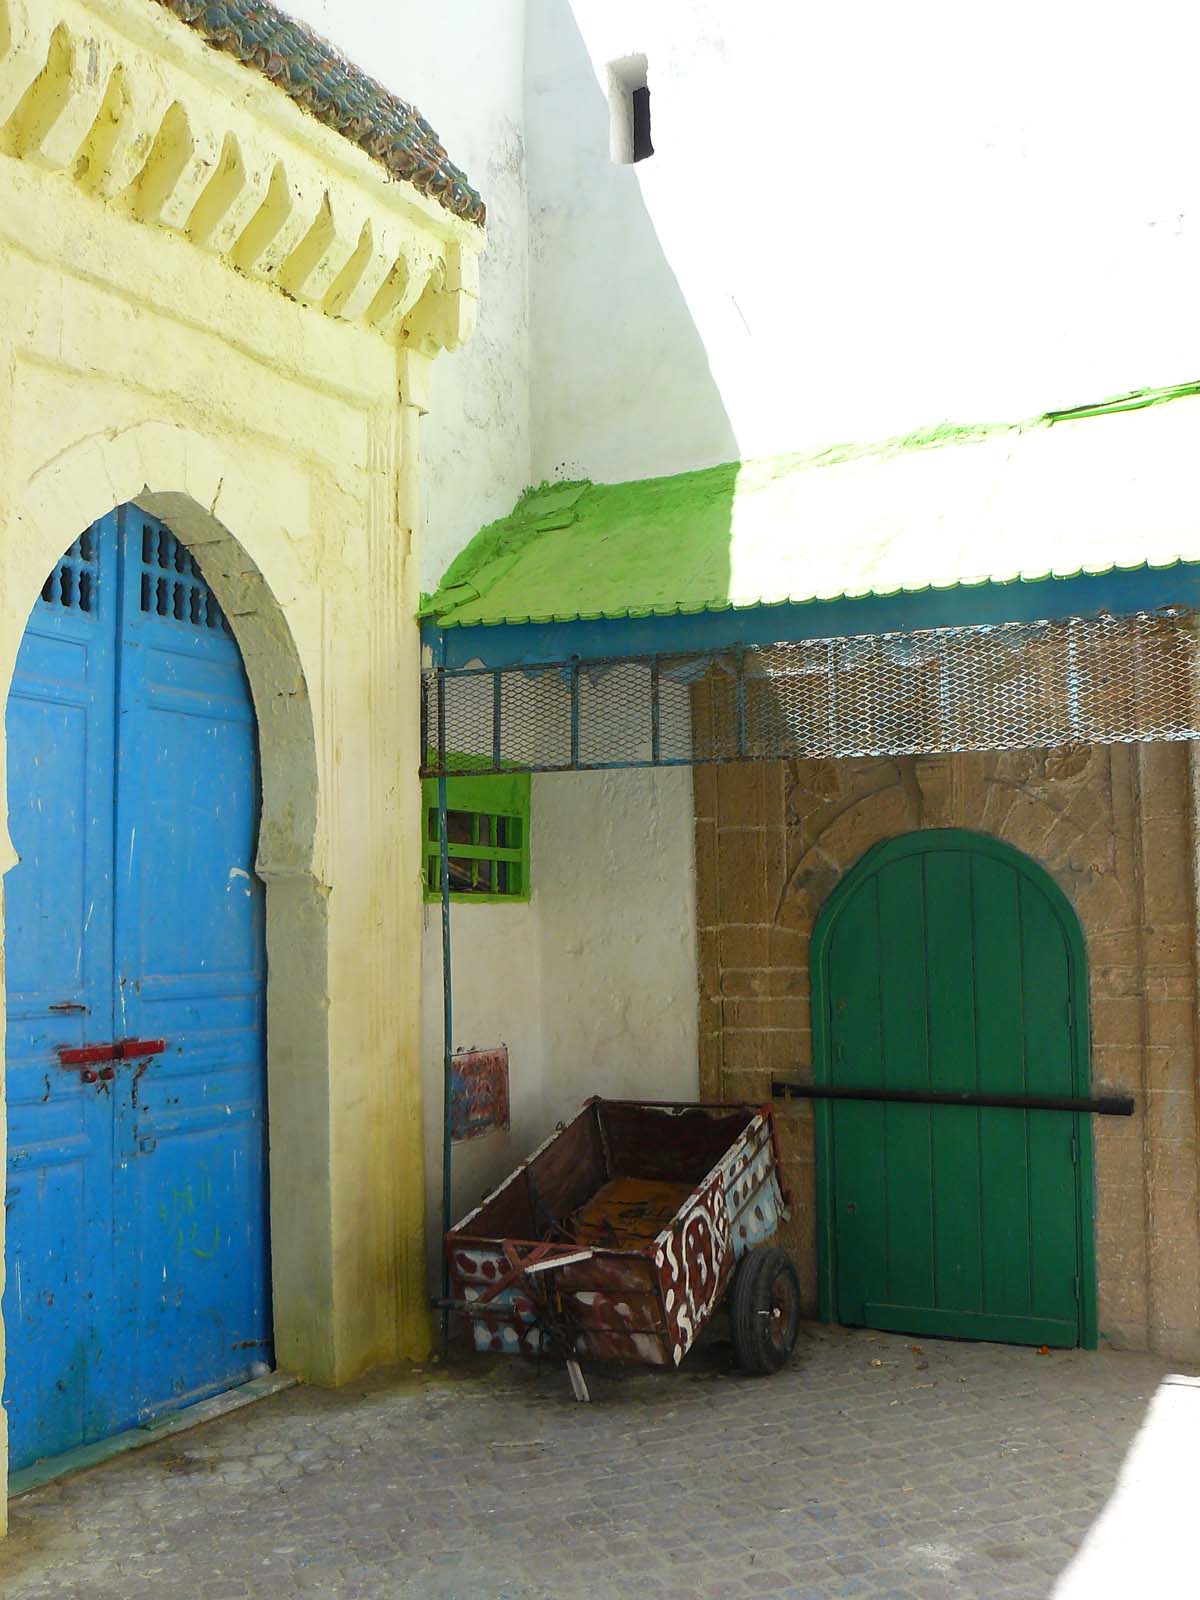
(962, 589)
(1066, 514)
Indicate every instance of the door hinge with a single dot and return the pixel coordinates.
(1074, 1149)
(1078, 1290)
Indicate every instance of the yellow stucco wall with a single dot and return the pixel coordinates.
(262, 398)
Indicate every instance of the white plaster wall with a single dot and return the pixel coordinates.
(614, 892)
(497, 1000)
(591, 984)
(858, 219)
(461, 62)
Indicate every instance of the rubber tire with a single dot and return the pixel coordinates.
(750, 1305)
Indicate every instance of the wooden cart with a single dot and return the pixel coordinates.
(618, 1238)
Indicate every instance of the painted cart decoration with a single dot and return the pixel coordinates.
(621, 1235)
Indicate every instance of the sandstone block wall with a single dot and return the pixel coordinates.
(1114, 826)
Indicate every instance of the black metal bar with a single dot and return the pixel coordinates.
(1111, 1105)
(497, 701)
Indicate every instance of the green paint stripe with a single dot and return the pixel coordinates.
(659, 547)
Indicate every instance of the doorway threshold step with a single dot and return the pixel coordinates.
(95, 1455)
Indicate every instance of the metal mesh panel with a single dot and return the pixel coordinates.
(1103, 680)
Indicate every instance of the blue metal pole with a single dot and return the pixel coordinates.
(447, 1006)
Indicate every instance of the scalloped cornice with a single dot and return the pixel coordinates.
(137, 110)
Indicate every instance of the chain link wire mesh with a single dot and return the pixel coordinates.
(1101, 680)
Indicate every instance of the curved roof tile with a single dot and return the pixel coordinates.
(317, 77)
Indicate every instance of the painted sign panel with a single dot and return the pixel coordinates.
(479, 1093)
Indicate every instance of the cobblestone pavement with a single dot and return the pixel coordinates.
(876, 1466)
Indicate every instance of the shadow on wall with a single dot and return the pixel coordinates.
(622, 388)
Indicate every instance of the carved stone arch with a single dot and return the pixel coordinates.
(191, 484)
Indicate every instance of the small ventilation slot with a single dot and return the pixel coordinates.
(73, 585)
(629, 111)
(173, 586)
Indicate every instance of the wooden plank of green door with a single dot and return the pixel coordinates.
(1053, 1196)
(905, 1064)
(859, 1152)
(941, 1324)
(1000, 1044)
(952, 1063)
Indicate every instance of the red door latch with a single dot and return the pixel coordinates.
(130, 1049)
(89, 1055)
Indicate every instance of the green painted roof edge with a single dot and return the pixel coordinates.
(548, 507)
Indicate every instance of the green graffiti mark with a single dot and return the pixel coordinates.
(205, 1255)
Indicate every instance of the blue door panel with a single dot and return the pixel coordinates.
(47, 1319)
(191, 968)
(58, 977)
(138, 1269)
(197, 903)
(200, 1294)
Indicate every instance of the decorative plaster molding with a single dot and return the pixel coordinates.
(139, 112)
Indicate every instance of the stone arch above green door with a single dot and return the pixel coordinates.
(947, 960)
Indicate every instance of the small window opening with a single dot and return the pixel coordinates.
(487, 838)
(642, 146)
(629, 110)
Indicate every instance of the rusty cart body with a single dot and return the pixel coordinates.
(619, 1237)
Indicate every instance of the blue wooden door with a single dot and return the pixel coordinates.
(58, 980)
(137, 1229)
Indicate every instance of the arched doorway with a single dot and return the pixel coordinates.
(137, 1237)
(948, 961)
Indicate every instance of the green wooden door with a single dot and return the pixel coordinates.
(947, 960)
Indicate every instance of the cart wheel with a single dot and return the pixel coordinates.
(765, 1309)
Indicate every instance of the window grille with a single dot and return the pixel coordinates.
(487, 825)
(172, 584)
(72, 584)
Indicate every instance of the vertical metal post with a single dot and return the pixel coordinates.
(575, 715)
(741, 703)
(1074, 708)
(497, 721)
(655, 710)
(447, 1000)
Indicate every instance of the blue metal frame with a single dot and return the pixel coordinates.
(515, 644)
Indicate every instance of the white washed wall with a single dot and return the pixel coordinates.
(858, 219)
(461, 62)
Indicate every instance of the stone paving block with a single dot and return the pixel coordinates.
(952, 1470)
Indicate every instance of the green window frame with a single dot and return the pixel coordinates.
(488, 825)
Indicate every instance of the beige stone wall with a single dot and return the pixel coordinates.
(211, 305)
(1114, 827)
